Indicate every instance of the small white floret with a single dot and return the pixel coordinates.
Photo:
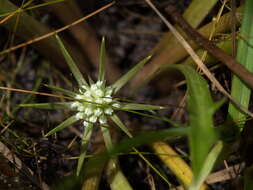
(99, 93)
(116, 105)
(102, 120)
(93, 87)
(107, 100)
(85, 123)
(93, 119)
(79, 115)
(108, 111)
(88, 111)
(87, 93)
(98, 111)
(74, 104)
(99, 83)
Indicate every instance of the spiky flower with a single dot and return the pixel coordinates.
(93, 102)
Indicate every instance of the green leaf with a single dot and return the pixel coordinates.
(64, 124)
(207, 166)
(239, 90)
(125, 78)
(84, 145)
(64, 91)
(121, 125)
(201, 108)
(76, 72)
(101, 74)
(133, 106)
(52, 106)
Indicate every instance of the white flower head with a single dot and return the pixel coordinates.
(95, 103)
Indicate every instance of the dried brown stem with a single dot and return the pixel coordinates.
(221, 55)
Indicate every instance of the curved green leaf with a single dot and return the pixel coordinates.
(201, 108)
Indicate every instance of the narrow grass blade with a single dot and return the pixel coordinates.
(76, 72)
(207, 166)
(64, 124)
(125, 78)
(101, 73)
(147, 107)
(64, 91)
(84, 145)
(121, 125)
(240, 91)
(51, 106)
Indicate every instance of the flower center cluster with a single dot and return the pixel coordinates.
(95, 103)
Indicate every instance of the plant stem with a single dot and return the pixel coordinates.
(115, 177)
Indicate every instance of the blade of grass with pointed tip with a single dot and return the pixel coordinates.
(76, 72)
(64, 91)
(147, 107)
(51, 106)
(201, 108)
(120, 124)
(64, 124)
(125, 78)
(84, 145)
(101, 73)
(239, 90)
(207, 166)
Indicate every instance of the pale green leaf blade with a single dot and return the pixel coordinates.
(207, 166)
(121, 125)
(64, 124)
(101, 73)
(239, 90)
(76, 72)
(50, 106)
(125, 78)
(144, 107)
(84, 145)
(201, 108)
(64, 91)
